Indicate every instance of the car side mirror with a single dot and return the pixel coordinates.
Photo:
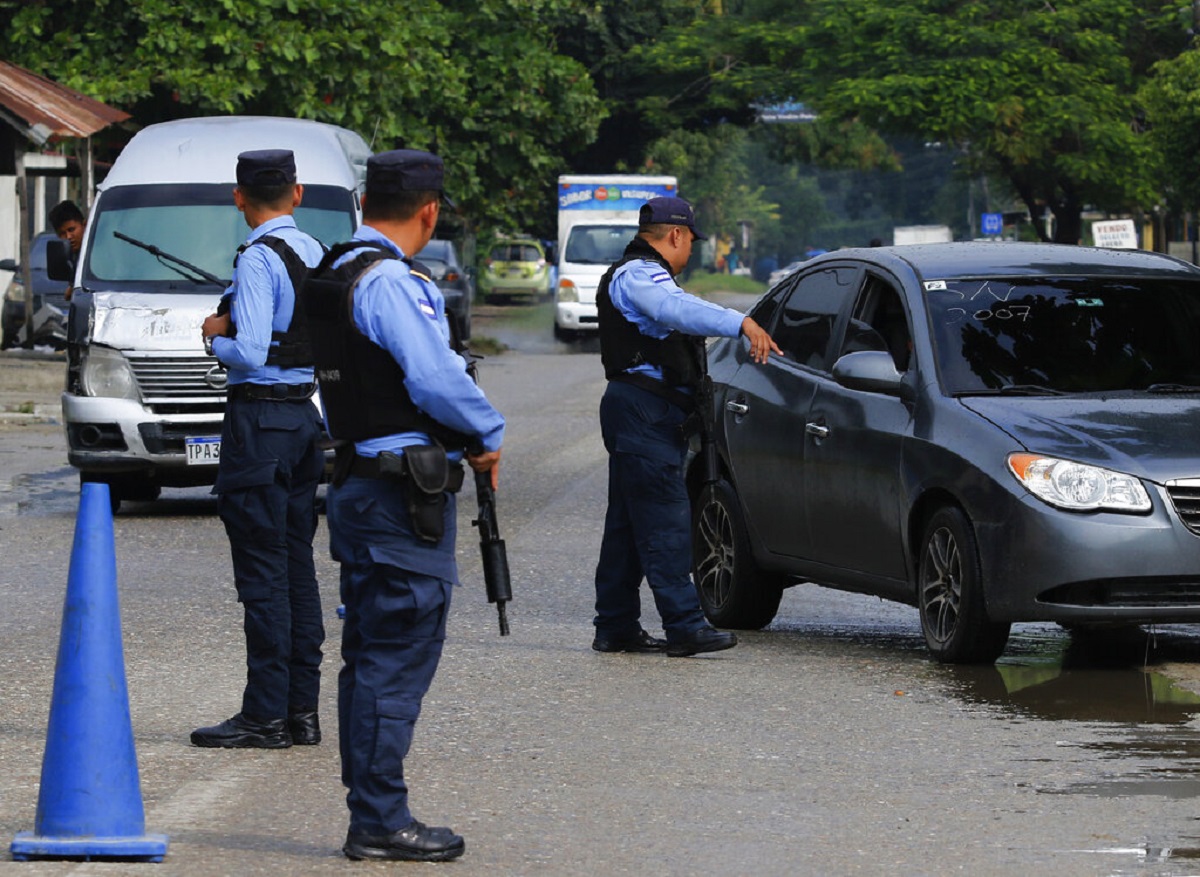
(58, 263)
(872, 371)
(8, 265)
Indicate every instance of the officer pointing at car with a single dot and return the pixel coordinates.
(652, 347)
(405, 412)
(270, 462)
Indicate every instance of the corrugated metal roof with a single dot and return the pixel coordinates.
(34, 100)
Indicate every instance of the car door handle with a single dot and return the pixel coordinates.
(737, 408)
(816, 429)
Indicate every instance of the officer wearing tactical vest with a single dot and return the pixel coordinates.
(401, 403)
(270, 462)
(652, 347)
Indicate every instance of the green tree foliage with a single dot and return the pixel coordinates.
(479, 81)
(1040, 94)
(1172, 101)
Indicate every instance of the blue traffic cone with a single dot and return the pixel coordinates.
(90, 799)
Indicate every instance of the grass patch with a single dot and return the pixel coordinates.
(703, 283)
(485, 345)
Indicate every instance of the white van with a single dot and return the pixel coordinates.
(143, 404)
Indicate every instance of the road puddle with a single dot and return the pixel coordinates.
(1149, 735)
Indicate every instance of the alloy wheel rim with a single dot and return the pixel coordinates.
(715, 568)
(941, 585)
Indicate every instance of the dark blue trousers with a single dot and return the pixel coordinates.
(396, 590)
(647, 529)
(266, 497)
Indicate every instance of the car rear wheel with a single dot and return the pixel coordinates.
(950, 593)
(734, 592)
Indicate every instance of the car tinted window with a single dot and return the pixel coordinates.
(805, 323)
(879, 322)
(1069, 335)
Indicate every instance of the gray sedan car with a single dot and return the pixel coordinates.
(990, 432)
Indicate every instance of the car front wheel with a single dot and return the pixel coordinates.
(734, 592)
(954, 617)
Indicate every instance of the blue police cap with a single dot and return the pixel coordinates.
(669, 211)
(266, 167)
(405, 170)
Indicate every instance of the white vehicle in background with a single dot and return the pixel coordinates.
(143, 404)
(597, 218)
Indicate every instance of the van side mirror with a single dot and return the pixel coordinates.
(58, 262)
(8, 265)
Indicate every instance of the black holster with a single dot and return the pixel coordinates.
(426, 476)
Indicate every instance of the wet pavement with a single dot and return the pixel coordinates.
(828, 743)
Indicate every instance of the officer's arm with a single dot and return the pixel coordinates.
(255, 305)
(659, 297)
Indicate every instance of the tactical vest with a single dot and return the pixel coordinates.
(362, 385)
(292, 349)
(622, 345)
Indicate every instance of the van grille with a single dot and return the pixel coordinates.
(1185, 495)
(180, 384)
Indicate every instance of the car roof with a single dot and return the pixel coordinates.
(1015, 259)
(205, 150)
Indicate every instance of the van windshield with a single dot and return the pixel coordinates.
(196, 223)
(598, 244)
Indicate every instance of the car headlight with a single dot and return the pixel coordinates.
(15, 291)
(568, 291)
(107, 373)
(1078, 486)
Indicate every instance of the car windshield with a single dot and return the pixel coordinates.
(195, 223)
(1072, 335)
(598, 244)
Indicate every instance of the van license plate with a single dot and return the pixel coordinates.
(202, 450)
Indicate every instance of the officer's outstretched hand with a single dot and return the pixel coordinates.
(485, 462)
(761, 345)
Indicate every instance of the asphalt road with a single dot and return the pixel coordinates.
(826, 744)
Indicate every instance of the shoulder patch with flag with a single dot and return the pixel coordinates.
(427, 308)
(661, 277)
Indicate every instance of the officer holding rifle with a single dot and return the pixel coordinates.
(401, 403)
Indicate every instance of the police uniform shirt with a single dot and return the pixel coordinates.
(406, 316)
(256, 313)
(646, 294)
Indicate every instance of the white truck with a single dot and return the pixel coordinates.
(597, 218)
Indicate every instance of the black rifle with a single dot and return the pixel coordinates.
(491, 546)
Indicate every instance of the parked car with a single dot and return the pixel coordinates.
(990, 432)
(46, 292)
(441, 258)
(515, 267)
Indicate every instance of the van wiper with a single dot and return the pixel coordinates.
(160, 255)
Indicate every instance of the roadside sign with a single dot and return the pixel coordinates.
(1117, 234)
(992, 223)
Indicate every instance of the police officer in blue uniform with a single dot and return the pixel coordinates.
(652, 347)
(400, 399)
(270, 462)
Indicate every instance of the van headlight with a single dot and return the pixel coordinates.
(1078, 486)
(567, 291)
(107, 373)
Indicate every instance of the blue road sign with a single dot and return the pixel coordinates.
(993, 223)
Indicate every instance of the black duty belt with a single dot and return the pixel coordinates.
(271, 392)
(370, 467)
